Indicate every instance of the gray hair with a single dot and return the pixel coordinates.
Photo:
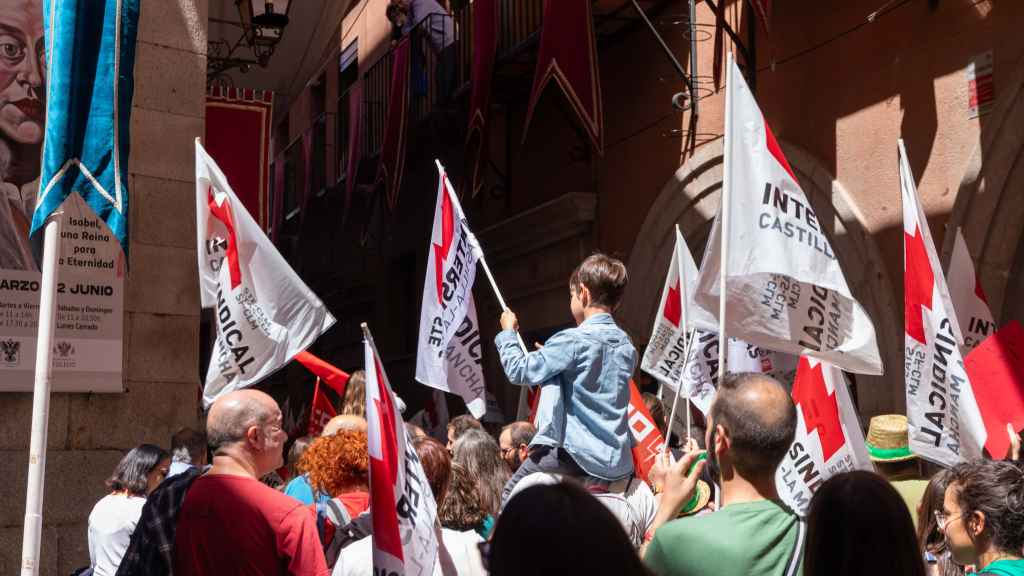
(188, 446)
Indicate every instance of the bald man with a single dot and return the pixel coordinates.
(230, 522)
(344, 422)
(750, 428)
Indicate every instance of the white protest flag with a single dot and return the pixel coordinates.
(448, 314)
(265, 314)
(404, 510)
(968, 298)
(828, 438)
(666, 351)
(700, 376)
(943, 418)
(785, 290)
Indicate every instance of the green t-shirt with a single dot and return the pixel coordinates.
(1005, 568)
(746, 538)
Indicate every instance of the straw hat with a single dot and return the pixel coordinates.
(701, 496)
(887, 439)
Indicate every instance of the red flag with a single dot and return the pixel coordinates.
(485, 50)
(532, 400)
(334, 377)
(392, 152)
(647, 439)
(320, 412)
(568, 55)
(995, 369)
(355, 151)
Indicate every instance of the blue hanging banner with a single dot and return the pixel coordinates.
(90, 55)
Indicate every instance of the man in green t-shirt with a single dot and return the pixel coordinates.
(750, 427)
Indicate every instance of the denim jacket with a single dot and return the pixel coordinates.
(590, 365)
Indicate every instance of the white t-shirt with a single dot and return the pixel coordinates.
(111, 524)
(356, 559)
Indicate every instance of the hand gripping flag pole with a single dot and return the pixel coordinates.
(478, 252)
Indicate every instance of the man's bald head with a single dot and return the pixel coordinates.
(759, 418)
(234, 413)
(344, 422)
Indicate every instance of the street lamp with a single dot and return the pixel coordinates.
(262, 23)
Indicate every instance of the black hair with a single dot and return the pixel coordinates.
(996, 489)
(760, 433)
(130, 474)
(605, 278)
(590, 539)
(859, 524)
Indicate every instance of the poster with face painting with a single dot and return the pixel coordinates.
(87, 352)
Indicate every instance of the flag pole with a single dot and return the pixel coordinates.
(41, 399)
(477, 250)
(679, 388)
(726, 185)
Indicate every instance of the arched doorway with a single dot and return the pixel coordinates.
(691, 198)
(989, 205)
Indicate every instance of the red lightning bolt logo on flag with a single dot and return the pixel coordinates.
(404, 510)
(944, 422)
(770, 275)
(448, 354)
(828, 438)
(264, 314)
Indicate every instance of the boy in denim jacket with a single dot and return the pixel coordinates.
(582, 424)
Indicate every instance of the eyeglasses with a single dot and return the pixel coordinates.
(943, 520)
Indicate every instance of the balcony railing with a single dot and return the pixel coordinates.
(441, 56)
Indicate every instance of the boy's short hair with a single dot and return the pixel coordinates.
(605, 277)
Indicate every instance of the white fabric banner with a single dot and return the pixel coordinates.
(945, 424)
(404, 510)
(448, 354)
(265, 314)
(700, 377)
(666, 351)
(785, 290)
(828, 438)
(972, 311)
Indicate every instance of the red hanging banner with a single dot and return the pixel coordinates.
(485, 50)
(355, 151)
(568, 56)
(392, 153)
(238, 124)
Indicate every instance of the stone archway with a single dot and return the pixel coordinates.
(691, 199)
(989, 205)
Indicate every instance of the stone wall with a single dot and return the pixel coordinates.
(88, 433)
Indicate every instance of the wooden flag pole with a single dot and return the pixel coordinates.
(679, 388)
(726, 185)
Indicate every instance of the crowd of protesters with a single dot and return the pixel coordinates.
(559, 495)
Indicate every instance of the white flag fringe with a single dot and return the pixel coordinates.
(264, 313)
(828, 438)
(404, 510)
(943, 418)
(448, 354)
(784, 289)
(968, 298)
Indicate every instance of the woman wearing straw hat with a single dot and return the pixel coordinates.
(889, 448)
